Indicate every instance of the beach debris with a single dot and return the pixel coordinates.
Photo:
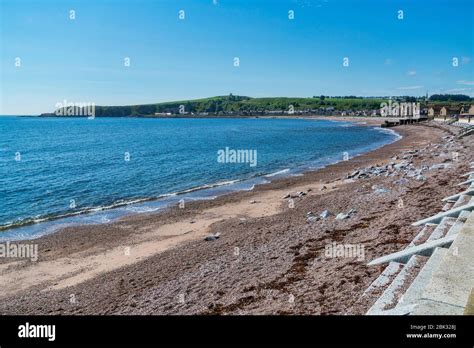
(440, 166)
(401, 181)
(325, 214)
(420, 178)
(294, 195)
(353, 174)
(342, 216)
(212, 237)
(253, 202)
(323, 188)
(401, 165)
(311, 217)
(404, 167)
(380, 189)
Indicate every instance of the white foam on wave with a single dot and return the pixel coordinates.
(283, 171)
(389, 131)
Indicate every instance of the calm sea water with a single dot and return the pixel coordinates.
(53, 171)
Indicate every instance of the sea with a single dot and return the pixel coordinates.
(59, 172)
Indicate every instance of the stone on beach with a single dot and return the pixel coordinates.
(325, 214)
(440, 166)
(294, 194)
(353, 174)
(212, 237)
(342, 216)
(420, 178)
(401, 181)
(380, 190)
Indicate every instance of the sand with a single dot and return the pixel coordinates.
(268, 260)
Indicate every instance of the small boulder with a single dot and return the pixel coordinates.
(420, 178)
(352, 212)
(212, 237)
(342, 216)
(401, 181)
(353, 174)
(325, 214)
(381, 191)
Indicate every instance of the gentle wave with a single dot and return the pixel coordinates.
(391, 132)
(117, 204)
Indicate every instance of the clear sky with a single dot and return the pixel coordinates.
(82, 59)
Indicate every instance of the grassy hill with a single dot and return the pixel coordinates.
(242, 105)
(238, 105)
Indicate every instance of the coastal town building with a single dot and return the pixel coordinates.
(461, 114)
(467, 114)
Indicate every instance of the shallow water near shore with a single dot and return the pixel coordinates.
(60, 172)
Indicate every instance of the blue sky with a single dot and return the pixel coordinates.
(82, 60)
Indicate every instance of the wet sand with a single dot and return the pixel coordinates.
(269, 259)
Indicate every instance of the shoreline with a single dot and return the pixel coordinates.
(258, 222)
(52, 224)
